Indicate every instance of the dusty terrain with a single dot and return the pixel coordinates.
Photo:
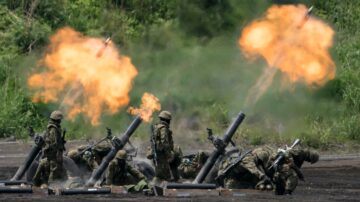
(333, 178)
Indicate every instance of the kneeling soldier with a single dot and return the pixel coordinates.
(121, 173)
(86, 161)
(288, 174)
(191, 165)
(250, 172)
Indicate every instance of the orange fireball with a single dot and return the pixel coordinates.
(149, 104)
(292, 41)
(80, 78)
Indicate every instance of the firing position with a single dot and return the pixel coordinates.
(249, 172)
(51, 164)
(288, 173)
(165, 156)
(88, 157)
(121, 173)
(84, 160)
(191, 164)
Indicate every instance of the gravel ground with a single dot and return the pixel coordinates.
(333, 178)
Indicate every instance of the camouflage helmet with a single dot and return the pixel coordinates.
(313, 157)
(56, 115)
(73, 154)
(121, 154)
(165, 115)
(264, 153)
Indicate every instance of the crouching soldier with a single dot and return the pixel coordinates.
(287, 175)
(51, 164)
(249, 172)
(191, 165)
(121, 173)
(84, 160)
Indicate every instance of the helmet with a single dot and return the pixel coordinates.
(165, 115)
(313, 157)
(121, 154)
(264, 153)
(72, 154)
(56, 115)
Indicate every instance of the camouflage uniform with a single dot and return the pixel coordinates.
(190, 166)
(168, 158)
(288, 174)
(121, 173)
(85, 161)
(100, 151)
(251, 171)
(51, 164)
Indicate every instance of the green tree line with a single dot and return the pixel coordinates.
(186, 53)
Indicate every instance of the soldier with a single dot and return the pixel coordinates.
(286, 177)
(86, 161)
(191, 165)
(100, 151)
(167, 158)
(121, 173)
(250, 172)
(51, 164)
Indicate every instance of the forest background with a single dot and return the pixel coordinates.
(187, 54)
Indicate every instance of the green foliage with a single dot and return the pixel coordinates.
(345, 17)
(17, 111)
(187, 55)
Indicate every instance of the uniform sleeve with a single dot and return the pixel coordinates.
(252, 167)
(111, 174)
(94, 164)
(135, 173)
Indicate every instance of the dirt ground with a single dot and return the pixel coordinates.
(333, 178)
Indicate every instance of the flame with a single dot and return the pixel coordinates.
(149, 104)
(85, 74)
(290, 40)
